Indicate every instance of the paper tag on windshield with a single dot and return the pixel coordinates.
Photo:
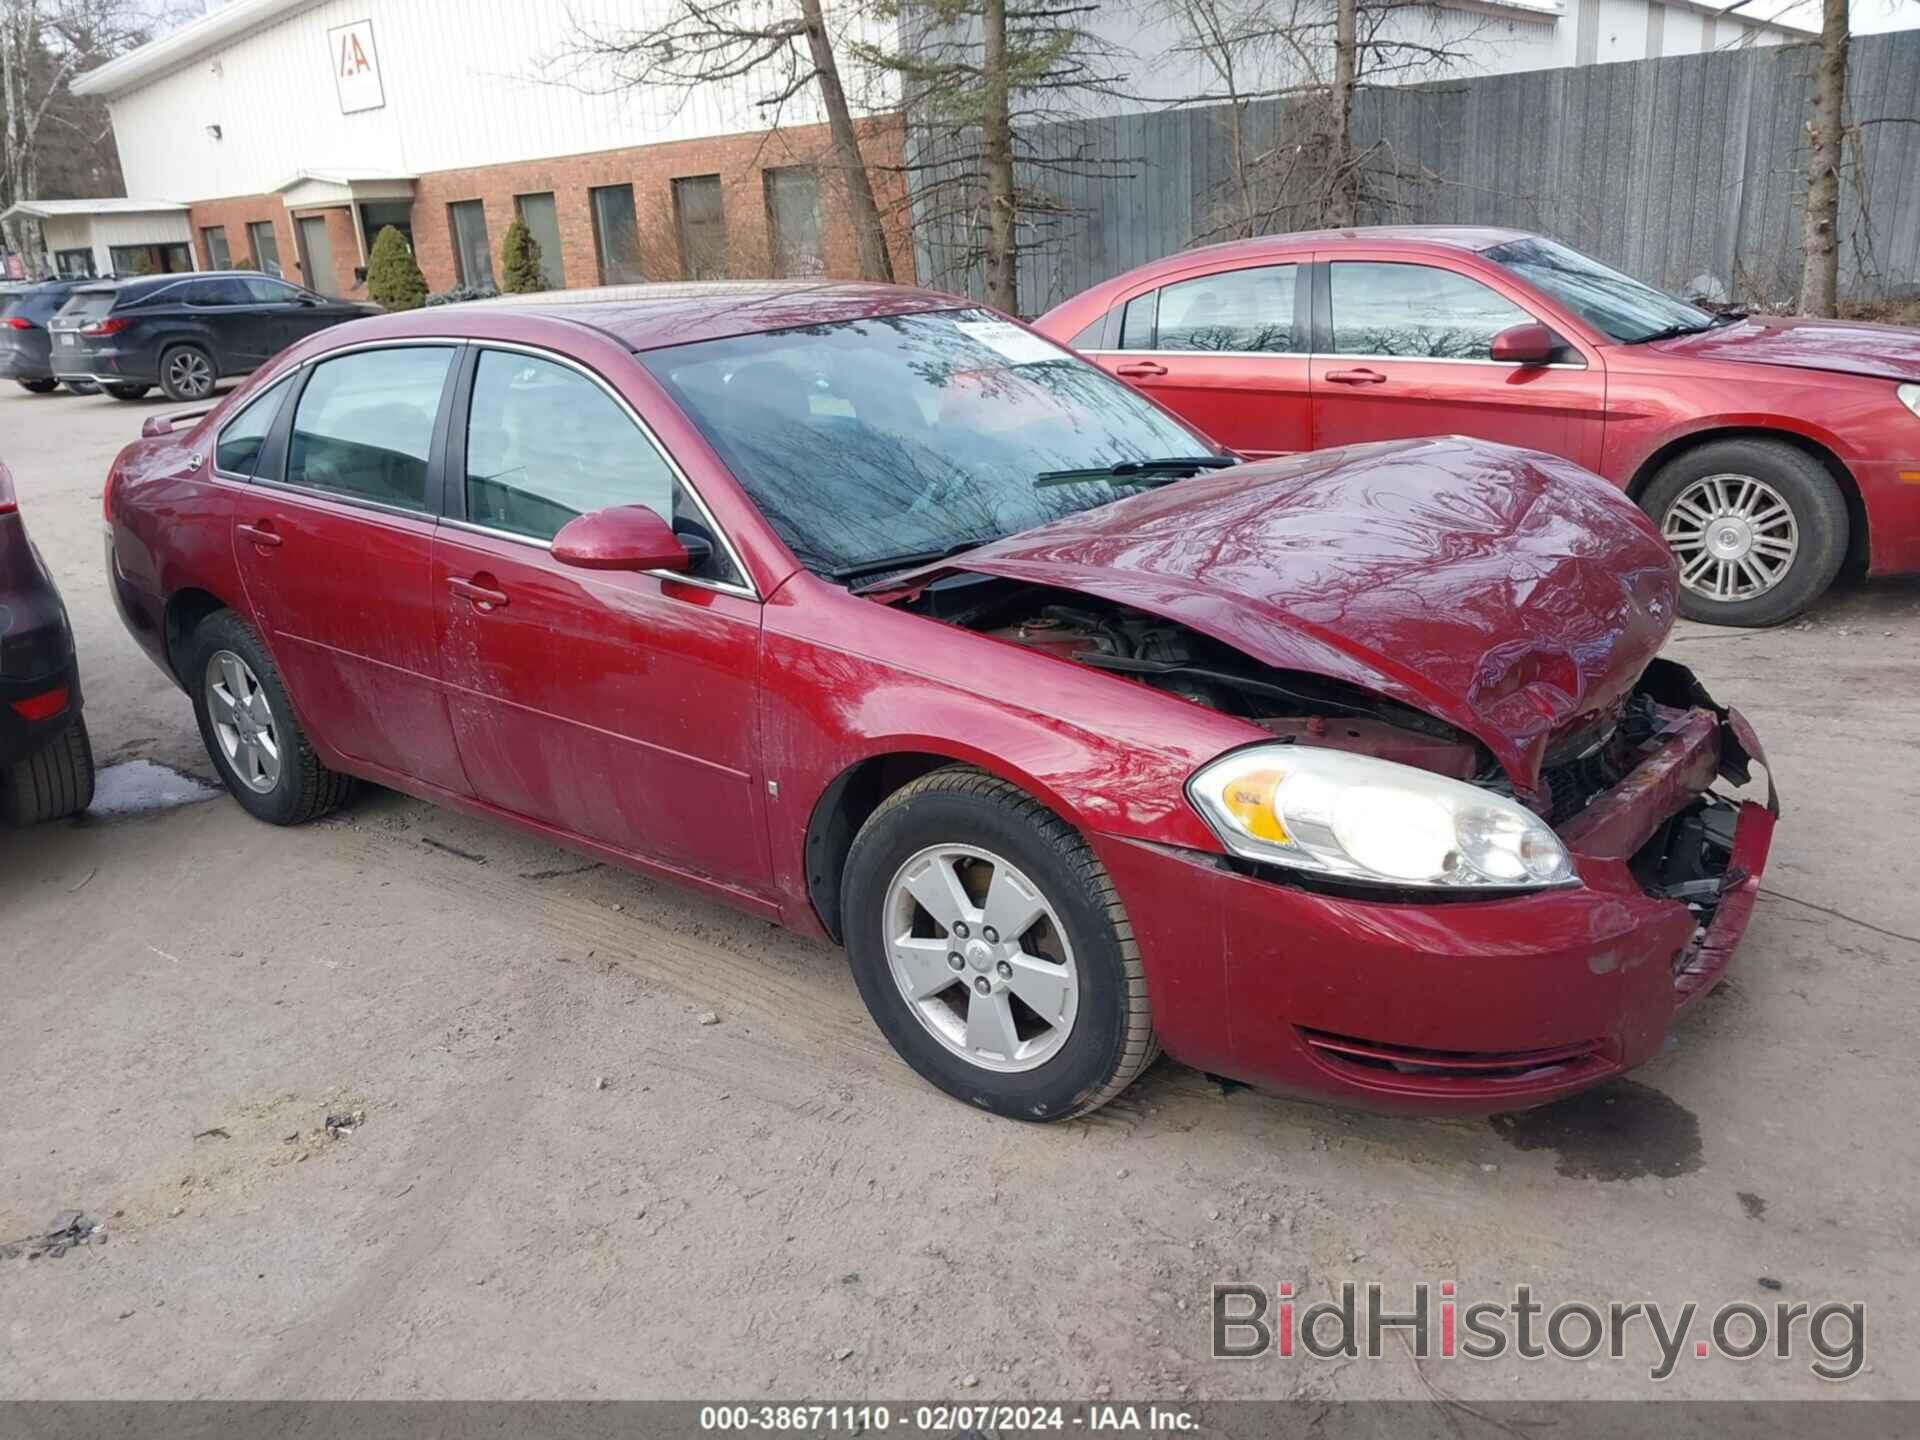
(1012, 343)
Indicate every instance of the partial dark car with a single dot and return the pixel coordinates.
(873, 613)
(46, 762)
(1771, 450)
(186, 333)
(26, 344)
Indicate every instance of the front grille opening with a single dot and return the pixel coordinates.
(1410, 1062)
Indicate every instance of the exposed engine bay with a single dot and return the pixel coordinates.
(1291, 705)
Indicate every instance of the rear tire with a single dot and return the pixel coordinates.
(1770, 505)
(187, 373)
(128, 392)
(40, 387)
(1087, 1033)
(81, 387)
(53, 784)
(263, 755)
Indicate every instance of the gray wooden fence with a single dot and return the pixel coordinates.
(1689, 172)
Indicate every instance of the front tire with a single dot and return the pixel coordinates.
(39, 387)
(1045, 1015)
(187, 373)
(1758, 528)
(249, 728)
(128, 392)
(53, 784)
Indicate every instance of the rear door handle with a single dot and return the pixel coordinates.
(261, 534)
(483, 597)
(1140, 370)
(1356, 377)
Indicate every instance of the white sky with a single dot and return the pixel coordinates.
(1870, 17)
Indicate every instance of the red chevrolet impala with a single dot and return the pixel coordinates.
(880, 616)
(1770, 451)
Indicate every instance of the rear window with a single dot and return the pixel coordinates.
(87, 305)
(38, 305)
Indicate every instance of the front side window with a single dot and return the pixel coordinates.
(870, 442)
(364, 427)
(545, 443)
(266, 246)
(1617, 305)
(237, 451)
(1416, 311)
(472, 255)
(1243, 311)
(271, 292)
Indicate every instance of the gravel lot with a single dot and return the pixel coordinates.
(566, 1183)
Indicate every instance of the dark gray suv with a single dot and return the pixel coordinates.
(185, 332)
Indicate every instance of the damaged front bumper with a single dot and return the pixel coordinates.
(1470, 1005)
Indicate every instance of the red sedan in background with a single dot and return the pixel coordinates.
(878, 615)
(1770, 450)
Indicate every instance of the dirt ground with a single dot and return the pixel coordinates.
(564, 1184)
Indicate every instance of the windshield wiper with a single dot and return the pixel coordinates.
(892, 565)
(1727, 317)
(1672, 332)
(1139, 472)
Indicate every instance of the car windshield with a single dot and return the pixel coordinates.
(1615, 304)
(901, 437)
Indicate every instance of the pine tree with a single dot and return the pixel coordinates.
(520, 260)
(393, 275)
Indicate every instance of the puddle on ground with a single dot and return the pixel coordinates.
(1618, 1131)
(137, 786)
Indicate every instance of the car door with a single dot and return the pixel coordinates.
(291, 313)
(1225, 351)
(1404, 349)
(615, 706)
(240, 328)
(334, 541)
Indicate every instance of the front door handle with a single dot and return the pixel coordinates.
(1140, 370)
(484, 597)
(1356, 377)
(261, 534)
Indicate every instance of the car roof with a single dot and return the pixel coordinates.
(1454, 237)
(647, 317)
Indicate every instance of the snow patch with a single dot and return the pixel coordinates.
(137, 786)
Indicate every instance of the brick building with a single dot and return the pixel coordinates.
(293, 131)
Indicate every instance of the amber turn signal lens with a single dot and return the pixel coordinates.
(1249, 798)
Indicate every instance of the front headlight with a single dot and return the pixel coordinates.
(1359, 818)
(1910, 397)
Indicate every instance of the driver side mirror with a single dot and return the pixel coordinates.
(624, 537)
(1529, 344)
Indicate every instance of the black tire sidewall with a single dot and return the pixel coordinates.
(127, 392)
(226, 631)
(1093, 1051)
(166, 385)
(1819, 513)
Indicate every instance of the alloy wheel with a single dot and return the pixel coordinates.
(189, 374)
(1734, 537)
(982, 957)
(243, 721)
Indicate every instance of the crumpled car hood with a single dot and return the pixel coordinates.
(1845, 347)
(1514, 595)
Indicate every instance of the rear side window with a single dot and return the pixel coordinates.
(1237, 311)
(237, 451)
(1417, 311)
(364, 429)
(1136, 323)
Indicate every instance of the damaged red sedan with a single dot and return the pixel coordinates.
(880, 616)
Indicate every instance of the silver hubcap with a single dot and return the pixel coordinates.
(243, 721)
(981, 957)
(1734, 536)
(189, 372)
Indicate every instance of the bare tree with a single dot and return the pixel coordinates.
(785, 44)
(1826, 145)
(983, 84)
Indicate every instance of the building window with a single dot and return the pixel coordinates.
(151, 259)
(214, 238)
(616, 237)
(266, 248)
(472, 255)
(74, 264)
(543, 224)
(793, 220)
(701, 211)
